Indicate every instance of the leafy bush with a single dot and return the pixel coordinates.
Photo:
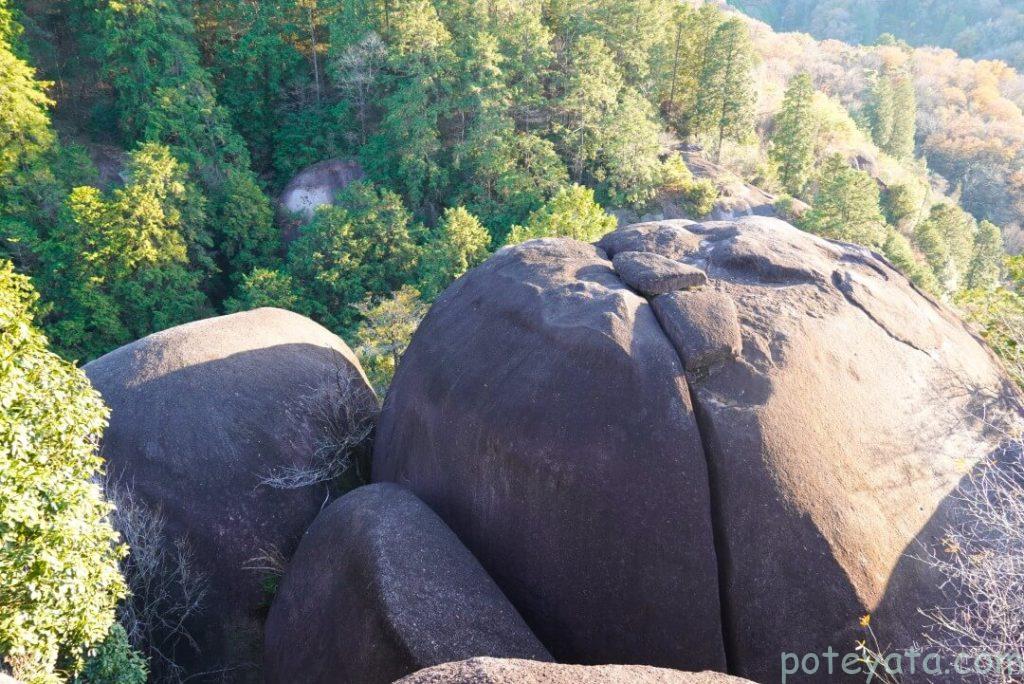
(571, 213)
(385, 334)
(59, 579)
(999, 314)
(115, 662)
(698, 197)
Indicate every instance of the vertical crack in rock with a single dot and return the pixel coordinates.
(723, 560)
(715, 512)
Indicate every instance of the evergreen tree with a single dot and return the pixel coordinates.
(682, 62)
(365, 246)
(904, 124)
(406, 150)
(243, 226)
(506, 175)
(571, 213)
(986, 269)
(725, 99)
(881, 110)
(118, 266)
(902, 202)
(30, 192)
(898, 250)
(846, 205)
(946, 238)
(629, 168)
(525, 43)
(266, 287)
(589, 92)
(250, 61)
(458, 243)
(793, 142)
(892, 113)
(164, 95)
(24, 105)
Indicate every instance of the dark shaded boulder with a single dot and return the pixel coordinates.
(204, 417)
(380, 587)
(498, 671)
(544, 413)
(652, 274)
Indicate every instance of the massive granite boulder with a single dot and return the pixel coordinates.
(215, 427)
(315, 186)
(710, 478)
(500, 671)
(380, 588)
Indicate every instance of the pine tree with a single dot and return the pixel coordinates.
(571, 213)
(458, 243)
(682, 64)
(882, 110)
(794, 138)
(629, 169)
(986, 268)
(725, 101)
(590, 89)
(118, 265)
(846, 205)
(904, 124)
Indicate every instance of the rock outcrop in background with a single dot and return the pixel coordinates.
(708, 478)
(315, 186)
(210, 423)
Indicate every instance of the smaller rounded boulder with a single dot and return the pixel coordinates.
(500, 671)
(224, 435)
(379, 588)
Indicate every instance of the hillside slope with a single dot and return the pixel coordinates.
(983, 30)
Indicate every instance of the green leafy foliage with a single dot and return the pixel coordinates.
(845, 206)
(59, 579)
(794, 139)
(387, 328)
(114, 661)
(572, 213)
(366, 246)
